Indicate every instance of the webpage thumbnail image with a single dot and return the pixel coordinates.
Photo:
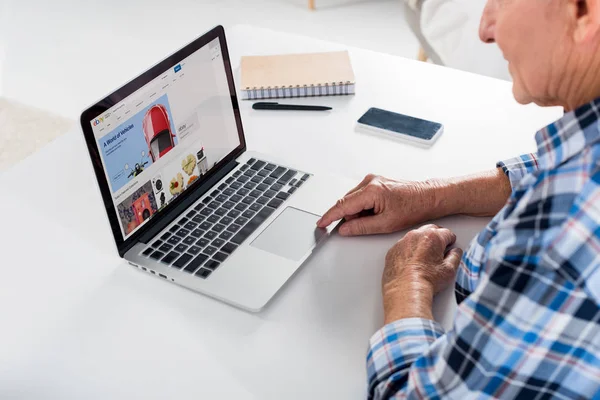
(137, 143)
(137, 208)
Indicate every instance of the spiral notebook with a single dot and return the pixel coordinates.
(297, 75)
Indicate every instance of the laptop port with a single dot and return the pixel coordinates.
(162, 276)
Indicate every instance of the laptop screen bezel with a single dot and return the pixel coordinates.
(126, 90)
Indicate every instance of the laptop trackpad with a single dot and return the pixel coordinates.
(293, 233)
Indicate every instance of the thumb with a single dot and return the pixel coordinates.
(453, 257)
(368, 225)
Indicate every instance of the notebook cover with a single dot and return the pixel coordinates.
(296, 70)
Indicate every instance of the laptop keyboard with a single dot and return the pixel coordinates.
(210, 231)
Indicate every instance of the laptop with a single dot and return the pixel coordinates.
(185, 200)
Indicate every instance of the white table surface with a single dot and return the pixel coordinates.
(78, 322)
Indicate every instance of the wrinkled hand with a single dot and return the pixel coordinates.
(421, 256)
(381, 205)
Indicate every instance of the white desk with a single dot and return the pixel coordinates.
(79, 323)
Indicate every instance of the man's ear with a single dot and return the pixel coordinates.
(587, 26)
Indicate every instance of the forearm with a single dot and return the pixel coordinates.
(481, 194)
(412, 299)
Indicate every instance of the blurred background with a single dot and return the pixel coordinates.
(56, 57)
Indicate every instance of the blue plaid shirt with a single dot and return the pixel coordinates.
(527, 325)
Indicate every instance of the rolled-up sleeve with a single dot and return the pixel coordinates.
(393, 349)
(516, 168)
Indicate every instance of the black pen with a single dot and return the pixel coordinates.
(296, 107)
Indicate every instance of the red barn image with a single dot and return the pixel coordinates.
(157, 130)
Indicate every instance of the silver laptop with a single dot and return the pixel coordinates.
(185, 200)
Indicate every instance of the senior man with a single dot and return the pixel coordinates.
(527, 325)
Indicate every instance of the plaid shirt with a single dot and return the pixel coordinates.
(527, 325)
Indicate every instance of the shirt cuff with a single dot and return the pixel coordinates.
(516, 168)
(392, 351)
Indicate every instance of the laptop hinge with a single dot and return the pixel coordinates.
(165, 220)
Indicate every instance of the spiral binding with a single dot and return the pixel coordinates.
(327, 89)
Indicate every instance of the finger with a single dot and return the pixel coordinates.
(453, 257)
(428, 227)
(348, 205)
(448, 237)
(363, 226)
(362, 183)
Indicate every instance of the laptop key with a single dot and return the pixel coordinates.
(197, 233)
(174, 228)
(157, 244)
(278, 172)
(250, 161)
(221, 211)
(190, 225)
(213, 218)
(305, 177)
(182, 232)
(262, 200)
(198, 219)
(292, 190)
(277, 187)
(248, 214)
(243, 192)
(220, 256)
(222, 186)
(287, 176)
(174, 240)
(189, 240)
(236, 185)
(256, 179)
(181, 248)
(194, 250)
(210, 235)
(226, 235)
(229, 180)
(233, 213)
(195, 263)
(243, 167)
(263, 172)
(228, 191)
(169, 258)
(157, 255)
(270, 167)
(166, 235)
(226, 220)
(255, 207)
(236, 174)
(202, 242)
(250, 173)
(181, 261)
(182, 221)
(233, 228)
(212, 265)
(215, 204)
(293, 182)
(203, 273)
(207, 200)
(221, 198)
(236, 198)
(210, 250)
(206, 212)
(252, 225)
(148, 251)
(255, 193)
(191, 214)
(283, 195)
(165, 247)
(270, 193)
(262, 187)
(229, 248)
(199, 206)
(205, 225)
(268, 181)
(248, 200)
(258, 165)
(218, 242)
(228, 205)
(241, 220)
(243, 179)
(275, 203)
(250, 185)
(299, 183)
(218, 228)
(241, 206)
(215, 193)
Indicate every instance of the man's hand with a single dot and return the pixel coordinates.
(381, 205)
(417, 268)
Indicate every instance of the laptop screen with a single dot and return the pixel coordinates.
(157, 141)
